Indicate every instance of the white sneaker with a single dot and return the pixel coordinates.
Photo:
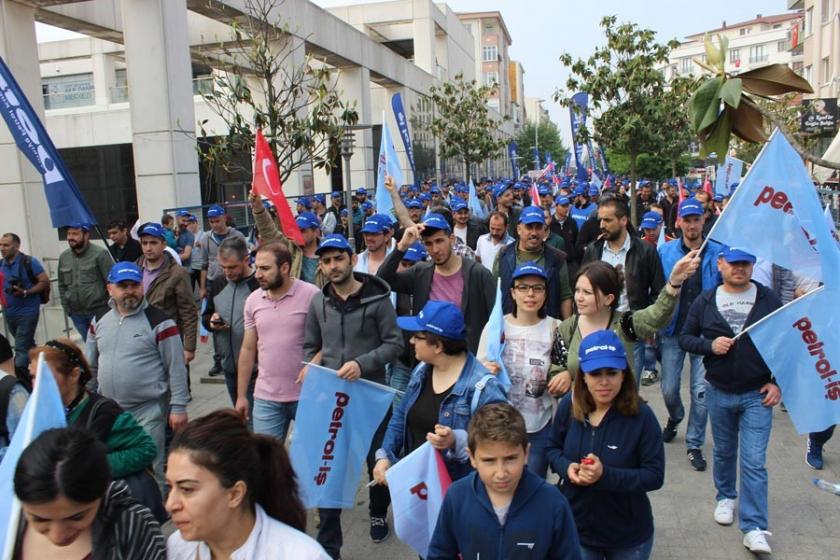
(755, 541)
(725, 512)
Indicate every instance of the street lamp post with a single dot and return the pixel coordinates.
(536, 136)
(348, 142)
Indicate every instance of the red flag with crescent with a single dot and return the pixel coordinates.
(267, 183)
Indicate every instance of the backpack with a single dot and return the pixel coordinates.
(479, 387)
(7, 383)
(27, 267)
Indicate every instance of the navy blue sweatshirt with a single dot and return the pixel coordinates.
(539, 524)
(615, 511)
(742, 369)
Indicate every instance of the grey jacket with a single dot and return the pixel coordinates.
(138, 358)
(228, 300)
(363, 328)
(205, 250)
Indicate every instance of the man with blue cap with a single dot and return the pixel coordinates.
(467, 229)
(566, 227)
(208, 246)
(583, 207)
(505, 201)
(669, 202)
(310, 229)
(82, 276)
(327, 219)
(740, 392)
(376, 246)
(336, 204)
(692, 219)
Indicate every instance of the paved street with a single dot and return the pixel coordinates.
(803, 519)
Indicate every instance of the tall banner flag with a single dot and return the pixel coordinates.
(536, 157)
(267, 183)
(800, 343)
(418, 484)
(599, 153)
(496, 338)
(578, 116)
(776, 214)
(67, 206)
(402, 125)
(567, 163)
(389, 164)
(334, 426)
(43, 411)
(728, 174)
(594, 162)
(476, 208)
(514, 157)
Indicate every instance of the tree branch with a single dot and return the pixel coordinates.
(805, 154)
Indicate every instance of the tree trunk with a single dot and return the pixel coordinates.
(634, 217)
(467, 165)
(673, 167)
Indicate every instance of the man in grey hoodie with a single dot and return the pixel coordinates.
(352, 328)
(137, 358)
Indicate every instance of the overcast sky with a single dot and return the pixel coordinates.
(543, 29)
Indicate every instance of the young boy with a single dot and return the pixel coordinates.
(503, 510)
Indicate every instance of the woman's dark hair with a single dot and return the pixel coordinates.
(67, 462)
(221, 443)
(64, 356)
(605, 278)
(626, 401)
(451, 346)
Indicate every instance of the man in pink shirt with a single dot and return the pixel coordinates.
(275, 315)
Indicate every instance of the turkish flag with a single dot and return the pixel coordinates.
(267, 183)
(535, 195)
(3, 290)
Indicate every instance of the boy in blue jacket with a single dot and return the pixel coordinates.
(503, 510)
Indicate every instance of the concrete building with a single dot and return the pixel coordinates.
(818, 45)
(491, 44)
(516, 78)
(535, 113)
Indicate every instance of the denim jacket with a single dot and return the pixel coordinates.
(454, 412)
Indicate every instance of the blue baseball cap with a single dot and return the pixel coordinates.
(320, 198)
(125, 271)
(579, 191)
(361, 190)
(384, 219)
(601, 349)
(437, 221)
(532, 215)
(344, 213)
(460, 188)
(415, 253)
(734, 254)
(336, 194)
(544, 190)
(215, 211)
(334, 241)
(79, 225)
(304, 201)
(459, 205)
(424, 197)
(562, 201)
(182, 213)
(307, 220)
(435, 190)
(437, 317)
(367, 205)
(372, 226)
(499, 191)
(593, 191)
(529, 268)
(718, 198)
(152, 229)
(518, 187)
(650, 220)
(691, 207)
(192, 218)
(413, 204)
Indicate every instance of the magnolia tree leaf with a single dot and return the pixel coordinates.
(748, 122)
(717, 138)
(774, 79)
(730, 92)
(705, 103)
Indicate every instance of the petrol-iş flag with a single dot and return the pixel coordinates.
(402, 125)
(829, 220)
(43, 411)
(476, 208)
(514, 167)
(776, 215)
(67, 206)
(800, 344)
(334, 426)
(578, 117)
(388, 165)
(267, 183)
(661, 241)
(728, 174)
(418, 484)
(496, 338)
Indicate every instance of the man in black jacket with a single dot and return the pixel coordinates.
(563, 225)
(740, 393)
(643, 276)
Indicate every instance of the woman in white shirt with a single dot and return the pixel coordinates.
(234, 495)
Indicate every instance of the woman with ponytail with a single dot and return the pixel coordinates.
(234, 495)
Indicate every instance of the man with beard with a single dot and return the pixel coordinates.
(505, 199)
(489, 244)
(377, 245)
(274, 320)
(351, 327)
(137, 359)
(82, 276)
(643, 278)
(531, 246)
(709, 214)
(669, 202)
(467, 229)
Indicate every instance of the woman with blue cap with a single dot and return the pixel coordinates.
(607, 448)
(444, 391)
(528, 339)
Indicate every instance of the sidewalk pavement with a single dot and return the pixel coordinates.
(803, 519)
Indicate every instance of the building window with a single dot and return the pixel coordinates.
(491, 78)
(809, 21)
(825, 11)
(746, 30)
(826, 70)
(782, 46)
(490, 53)
(809, 73)
(68, 91)
(735, 56)
(686, 65)
(758, 54)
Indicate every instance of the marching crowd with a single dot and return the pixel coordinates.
(593, 308)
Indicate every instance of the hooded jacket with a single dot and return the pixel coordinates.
(227, 298)
(614, 512)
(363, 328)
(172, 293)
(539, 523)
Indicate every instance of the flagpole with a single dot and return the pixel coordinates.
(779, 310)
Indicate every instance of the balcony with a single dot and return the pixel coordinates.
(759, 59)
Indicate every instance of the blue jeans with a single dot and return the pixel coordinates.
(740, 423)
(537, 462)
(638, 552)
(638, 361)
(82, 323)
(273, 418)
(673, 358)
(22, 330)
(399, 376)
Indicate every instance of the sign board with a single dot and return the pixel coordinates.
(819, 116)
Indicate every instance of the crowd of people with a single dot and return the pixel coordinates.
(593, 307)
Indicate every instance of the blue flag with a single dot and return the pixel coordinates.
(800, 343)
(776, 214)
(514, 157)
(63, 197)
(389, 164)
(402, 125)
(475, 205)
(496, 338)
(43, 411)
(577, 112)
(334, 426)
(728, 174)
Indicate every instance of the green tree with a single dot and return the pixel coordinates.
(548, 138)
(651, 166)
(298, 105)
(625, 88)
(463, 124)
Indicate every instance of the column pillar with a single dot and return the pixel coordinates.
(354, 84)
(104, 78)
(159, 73)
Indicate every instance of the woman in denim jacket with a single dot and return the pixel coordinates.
(445, 389)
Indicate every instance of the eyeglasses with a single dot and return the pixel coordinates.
(525, 288)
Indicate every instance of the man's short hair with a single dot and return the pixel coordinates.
(499, 422)
(280, 251)
(234, 246)
(117, 224)
(15, 237)
(619, 206)
(497, 214)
